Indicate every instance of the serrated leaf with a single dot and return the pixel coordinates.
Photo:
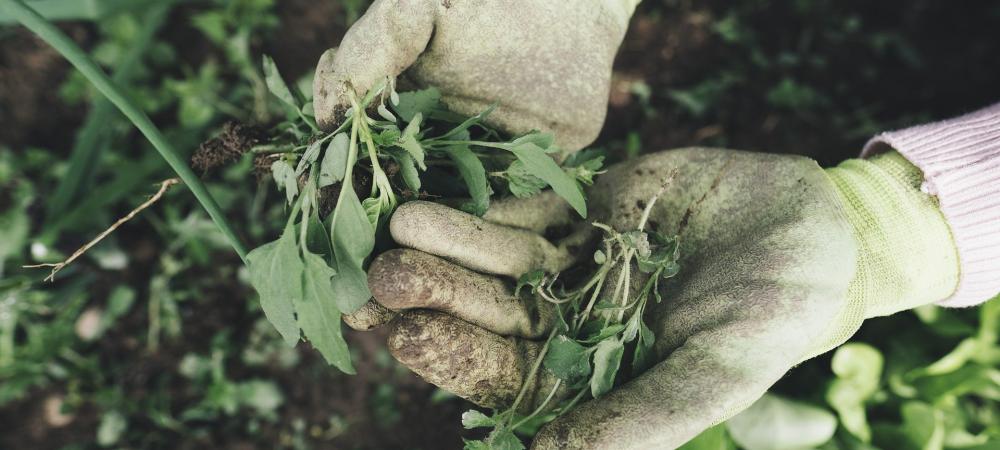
(607, 360)
(334, 164)
(542, 166)
(521, 182)
(409, 104)
(276, 84)
(475, 445)
(353, 239)
(276, 273)
(566, 359)
(318, 315)
(475, 419)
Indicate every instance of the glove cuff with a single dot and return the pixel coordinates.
(906, 253)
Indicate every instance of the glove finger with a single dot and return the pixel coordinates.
(536, 213)
(370, 315)
(403, 279)
(386, 40)
(475, 243)
(465, 359)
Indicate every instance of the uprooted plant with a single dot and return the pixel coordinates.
(315, 271)
(594, 324)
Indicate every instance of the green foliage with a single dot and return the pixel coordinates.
(584, 351)
(403, 136)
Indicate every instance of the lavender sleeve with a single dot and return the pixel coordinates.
(960, 159)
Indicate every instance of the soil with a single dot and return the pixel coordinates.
(670, 45)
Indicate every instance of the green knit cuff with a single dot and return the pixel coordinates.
(906, 254)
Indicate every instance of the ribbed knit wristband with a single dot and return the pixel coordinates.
(960, 159)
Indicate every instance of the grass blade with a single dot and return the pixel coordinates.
(65, 46)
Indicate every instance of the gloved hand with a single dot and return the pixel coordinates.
(781, 261)
(547, 63)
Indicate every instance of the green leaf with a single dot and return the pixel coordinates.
(373, 209)
(774, 423)
(353, 240)
(566, 359)
(410, 143)
(475, 419)
(923, 425)
(475, 445)
(285, 177)
(317, 239)
(112, 427)
(474, 174)
(407, 169)
(417, 102)
(521, 182)
(607, 360)
(714, 438)
(334, 164)
(542, 166)
(468, 123)
(308, 157)
(318, 314)
(276, 84)
(533, 278)
(504, 439)
(276, 273)
(858, 368)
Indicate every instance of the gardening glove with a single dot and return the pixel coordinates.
(780, 261)
(547, 63)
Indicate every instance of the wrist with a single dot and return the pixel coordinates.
(907, 256)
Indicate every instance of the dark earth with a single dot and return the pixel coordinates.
(811, 78)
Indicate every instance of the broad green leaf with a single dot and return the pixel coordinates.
(923, 425)
(276, 274)
(417, 102)
(318, 314)
(858, 368)
(566, 359)
(285, 177)
(13, 232)
(475, 419)
(474, 174)
(334, 164)
(276, 84)
(542, 166)
(409, 142)
(775, 423)
(714, 438)
(353, 239)
(533, 278)
(607, 360)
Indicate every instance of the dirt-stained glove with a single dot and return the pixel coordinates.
(547, 63)
(781, 261)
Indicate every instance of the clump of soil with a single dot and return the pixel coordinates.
(234, 140)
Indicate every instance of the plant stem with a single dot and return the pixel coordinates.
(534, 370)
(65, 46)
